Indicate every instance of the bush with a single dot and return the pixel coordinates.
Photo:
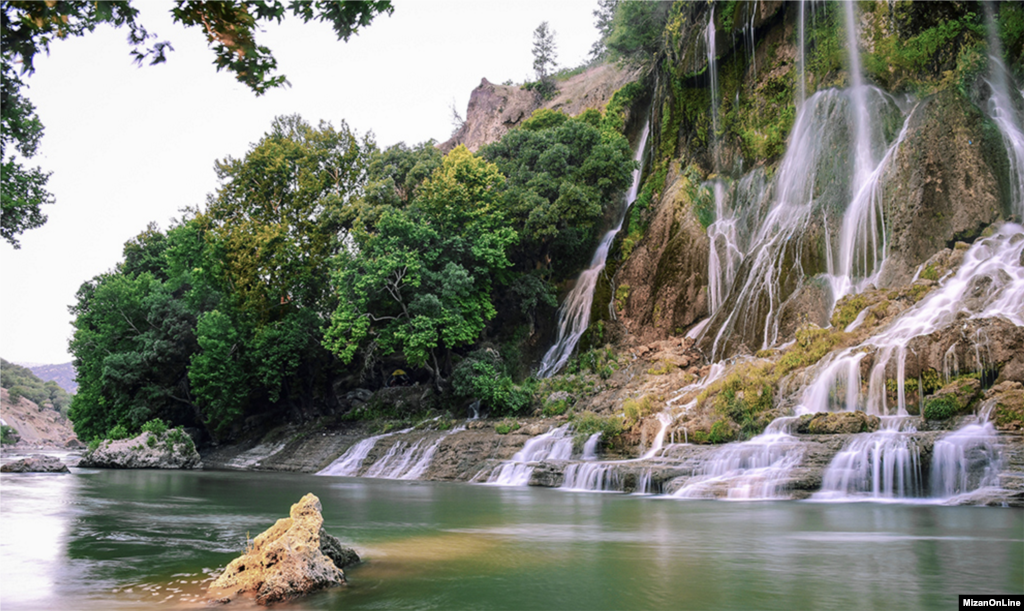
(588, 423)
(506, 426)
(118, 432)
(8, 435)
(481, 375)
(942, 407)
(155, 426)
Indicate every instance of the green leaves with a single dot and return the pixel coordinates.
(422, 280)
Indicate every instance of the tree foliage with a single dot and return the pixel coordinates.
(563, 174)
(544, 57)
(28, 28)
(634, 35)
(421, 281)
(220, 316)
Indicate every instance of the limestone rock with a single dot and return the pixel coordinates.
(36, 464)
(171, 450)
(287, 560)
(832, 423)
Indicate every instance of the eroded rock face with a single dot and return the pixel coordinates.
(36, 464)
(288, 560)
(833, 423)
(166, 451)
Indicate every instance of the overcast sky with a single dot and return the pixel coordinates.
(130, 145)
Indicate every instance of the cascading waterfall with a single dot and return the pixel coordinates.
(556, 444)
(350, 463)
(773, 259)
(574, 314)
(756, 469)
(966, 460)
(880, 465)
(1005, 114)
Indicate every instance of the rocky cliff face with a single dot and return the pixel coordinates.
(37, 426)
(495, 109)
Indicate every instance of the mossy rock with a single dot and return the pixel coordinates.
(837, 423)
(952, 399)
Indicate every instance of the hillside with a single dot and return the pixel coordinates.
(36, 426)
(63, 374)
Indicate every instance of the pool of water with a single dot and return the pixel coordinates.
(105, 539)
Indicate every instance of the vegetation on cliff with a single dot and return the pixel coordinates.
(322, 258)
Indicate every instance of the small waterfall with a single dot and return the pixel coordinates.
(590, 447)
(801, 92)
(966, 460)
(757, 469)
(709, 40)
(556, 444)
(574, 314)
(725, 254)
(592, 477)
(1004, 112)
(350, 463)
(880, 465)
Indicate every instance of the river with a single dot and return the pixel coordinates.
(107, 539)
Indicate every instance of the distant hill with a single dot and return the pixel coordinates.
(63, 375)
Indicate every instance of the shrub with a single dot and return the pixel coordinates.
(588, 423)
(8, 435)
(155, 426)
(634, 410)
(118, 432)
(506, 426)
(942, 407)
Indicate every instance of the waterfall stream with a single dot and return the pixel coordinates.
(574, 314)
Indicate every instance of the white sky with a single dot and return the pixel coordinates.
(130, 145)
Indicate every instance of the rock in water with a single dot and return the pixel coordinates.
(288, 560)
(36, 464)
(172, 449)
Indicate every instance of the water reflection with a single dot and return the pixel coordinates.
(118, 539)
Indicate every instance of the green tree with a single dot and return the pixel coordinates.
(604, 22)
(421, 283)
(280, 211)
(22, 190)
(635, 34)
(544, 57)
(563, 173)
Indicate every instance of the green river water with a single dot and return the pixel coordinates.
(99, 539)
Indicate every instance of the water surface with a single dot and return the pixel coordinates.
(105, 539)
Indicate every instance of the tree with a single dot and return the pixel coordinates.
(421, 282)
(282, 211)
(562, 175)
(605, 21)
(635, 35)
(23, 190)
(28, 28)
(544, 54)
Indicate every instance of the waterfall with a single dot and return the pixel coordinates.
(574, 314)
(556, 444)
(709, 40)
(966, 460)
(350, 463)
(1005, 114)
(880, 465)
(757, 469)
(993, 264)
(810, 185)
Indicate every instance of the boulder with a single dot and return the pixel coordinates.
(287, 560)
(36, 464)
(834, 423)
(171, 450)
